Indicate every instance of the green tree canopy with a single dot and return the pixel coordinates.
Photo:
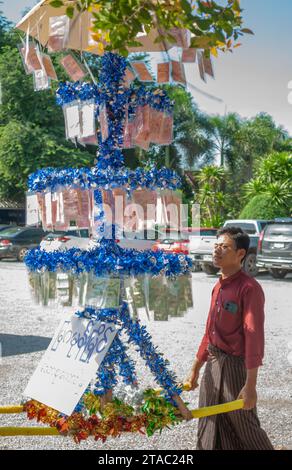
(117, 23)
(263, 206)
(31, 125)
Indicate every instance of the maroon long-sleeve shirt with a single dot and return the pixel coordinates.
(236, 319)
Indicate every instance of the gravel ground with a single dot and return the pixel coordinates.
(26, 330)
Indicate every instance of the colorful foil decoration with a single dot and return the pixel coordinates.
(75, 275)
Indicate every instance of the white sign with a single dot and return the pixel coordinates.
(70, 362)
(33, 216)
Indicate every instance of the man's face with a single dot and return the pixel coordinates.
(225, 254)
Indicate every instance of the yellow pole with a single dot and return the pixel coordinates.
(32, 431)
(218, 409)
(39, 431)
(11, 409)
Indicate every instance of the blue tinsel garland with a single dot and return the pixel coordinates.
(52, 179)
(108, 259)
(107, 374)
(139, 337)
(112, 93)
(134, 96)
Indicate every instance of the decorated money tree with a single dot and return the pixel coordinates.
(75, 385)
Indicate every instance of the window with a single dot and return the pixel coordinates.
(250, 229)
(31, 234)
(275, 230)
(10, 232)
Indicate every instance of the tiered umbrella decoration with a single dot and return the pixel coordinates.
(128, 116)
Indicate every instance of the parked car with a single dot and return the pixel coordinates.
(203, 253)
(253, 227)
(62, 240)
(140, 240)
(201, 244)
(175, 242)
(5, 227)
(275, 248)
(15, 241)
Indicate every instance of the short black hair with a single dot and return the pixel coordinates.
(240, 237)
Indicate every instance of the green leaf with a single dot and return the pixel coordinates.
(145, 15)
(186, 6)
(236, 6)
(70, 12)
(247, 31)
(134, 44)
(56, 3)
(219, 36)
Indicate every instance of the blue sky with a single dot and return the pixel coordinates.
(255, 77)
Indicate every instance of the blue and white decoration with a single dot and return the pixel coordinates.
(107, 258)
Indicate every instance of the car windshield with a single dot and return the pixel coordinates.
(11, 232)
(83, 233)
(246, 227)
(279, 229)
(52, 235)
(204, 232)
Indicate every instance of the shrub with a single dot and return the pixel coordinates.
(263, 207)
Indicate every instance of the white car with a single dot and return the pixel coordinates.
(141, 240)
(78, 238)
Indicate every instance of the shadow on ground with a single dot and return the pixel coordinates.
(13, 345)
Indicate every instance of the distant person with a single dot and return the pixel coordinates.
(233, 349)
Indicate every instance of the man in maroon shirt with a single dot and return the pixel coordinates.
(233, 349)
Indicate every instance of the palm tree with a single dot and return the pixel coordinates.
(277, 166)
(221, 131)
(274, 179)
(211, 197)
(213, 175)
(256, 138)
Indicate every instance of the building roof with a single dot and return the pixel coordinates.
(9, 204)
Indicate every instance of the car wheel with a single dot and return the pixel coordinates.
(21, 254)
(250, 264)
(209, 269)
(278, 273)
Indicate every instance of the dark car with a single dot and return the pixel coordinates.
(275, 248)
(15, 241)
(5, 227)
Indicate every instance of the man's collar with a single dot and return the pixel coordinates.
(228, 279)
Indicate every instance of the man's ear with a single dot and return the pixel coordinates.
(242, 253)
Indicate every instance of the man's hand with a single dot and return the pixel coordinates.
(192, 379)
(183, 409)
(249, 396)
(194, 374)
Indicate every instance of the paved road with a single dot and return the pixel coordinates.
(26, 330)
